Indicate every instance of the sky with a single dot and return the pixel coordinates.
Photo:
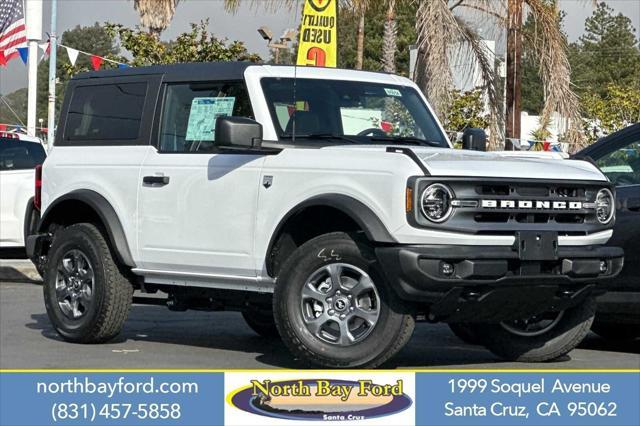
(240, 26)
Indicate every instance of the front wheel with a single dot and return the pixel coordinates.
(334, 309)
(540, 338)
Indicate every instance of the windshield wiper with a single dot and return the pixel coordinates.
(406, 139)
(323, 136)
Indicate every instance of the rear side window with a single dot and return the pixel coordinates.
(20, 155)
(110, 112)
(190, 111)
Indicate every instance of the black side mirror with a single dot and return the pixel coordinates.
(474, 139)
(238, 132)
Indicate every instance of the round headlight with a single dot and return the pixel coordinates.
(605, 206)
(435, 202)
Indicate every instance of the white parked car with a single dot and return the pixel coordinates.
(328, 206)
(19, 156)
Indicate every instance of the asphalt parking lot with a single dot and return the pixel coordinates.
(155, 337)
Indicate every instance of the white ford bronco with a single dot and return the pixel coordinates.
(328, 206)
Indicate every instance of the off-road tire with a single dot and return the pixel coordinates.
(554, 343)
(112, 293)
(392, 331)
(616, 332)
(464, 332)
(261, 322)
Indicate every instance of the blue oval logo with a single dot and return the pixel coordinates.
(320, 399)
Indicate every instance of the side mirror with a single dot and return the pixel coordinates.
(238, 132)
(474, 139)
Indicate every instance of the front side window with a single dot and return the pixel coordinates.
(190, 111)
(622, 166)
(364, 112)
(109, 112)
(20, 155)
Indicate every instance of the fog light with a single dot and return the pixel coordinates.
(446, 269)
(603, 266)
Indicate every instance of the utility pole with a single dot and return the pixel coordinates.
(33, 24)
(514, 68)
(53, 49)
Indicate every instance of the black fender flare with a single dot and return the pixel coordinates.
(361, 214)
(30, 226)
(105, 212)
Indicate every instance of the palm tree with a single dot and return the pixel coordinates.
(442, 36)
(155, 15)
(550, 47)
(390, 39)
(271, 5)
(360, 7)
(441, 32)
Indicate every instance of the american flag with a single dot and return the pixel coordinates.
(12, 29)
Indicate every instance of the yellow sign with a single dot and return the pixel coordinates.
(318, 34)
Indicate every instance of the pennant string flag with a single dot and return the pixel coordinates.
(23, 51)
(45, 47)
(96, 61)
(24, 54)
(73, 55)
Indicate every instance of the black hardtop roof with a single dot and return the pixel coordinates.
(196, 71)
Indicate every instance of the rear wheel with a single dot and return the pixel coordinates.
(540, 338)
(86, 295)
(333, 308)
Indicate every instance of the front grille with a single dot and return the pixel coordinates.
(517, 205)
(541, 192)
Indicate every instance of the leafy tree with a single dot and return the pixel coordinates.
(617, 109)
(607, 53)
(93, 39)
(197, 45)
(467, 110)
(18, 102)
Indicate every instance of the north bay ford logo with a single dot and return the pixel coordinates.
(530, 204)
(320, 399)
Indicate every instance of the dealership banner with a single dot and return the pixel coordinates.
(317, 44)
(267, 397)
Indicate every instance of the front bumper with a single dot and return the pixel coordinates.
(493, 283)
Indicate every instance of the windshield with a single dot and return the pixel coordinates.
(350, 112)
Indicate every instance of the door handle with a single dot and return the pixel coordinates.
(156, 180)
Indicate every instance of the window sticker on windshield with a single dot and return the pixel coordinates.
(203, 115)
(392, 92)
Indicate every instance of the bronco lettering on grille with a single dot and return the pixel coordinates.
(532, 204)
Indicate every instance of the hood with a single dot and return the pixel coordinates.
(454, 162)
(507, 164)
